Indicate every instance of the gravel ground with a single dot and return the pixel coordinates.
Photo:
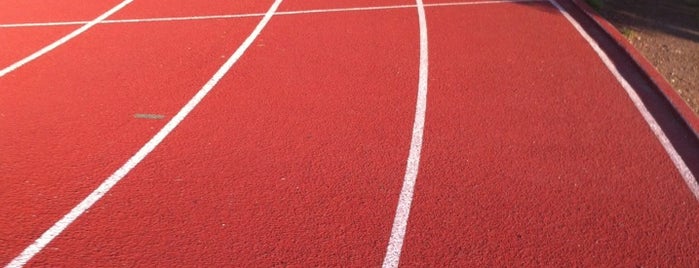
(667, 33)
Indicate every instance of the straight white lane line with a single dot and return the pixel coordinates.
(120, 173)
(166, 19)
(403, 6)
(63, 40)
(43, 24)
(235, 16)
(681, 166)
(400, 222)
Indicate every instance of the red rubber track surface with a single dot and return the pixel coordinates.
(186, 8)
(293, 5)
(528, 162)
(68, 117)
(52, 10)
(290, 161)
(533, 154)
(18, 43)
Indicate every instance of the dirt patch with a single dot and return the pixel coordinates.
(666, 32)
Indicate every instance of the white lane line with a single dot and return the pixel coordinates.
(235, 16)
(400, 222)
(681, 166)
(120, 173)
(403, 6)
(43, 24)
(63, 40)
(166, 19)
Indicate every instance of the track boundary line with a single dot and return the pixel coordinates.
(63, 39)
(400, 221)
(249, 15)
(677, 160)
(120, 173)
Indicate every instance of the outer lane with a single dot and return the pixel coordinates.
(534, 154)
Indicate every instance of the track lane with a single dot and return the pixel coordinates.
(531, 251)
(65, 129)
(83, 28)
(302, 144)
(18, 43)
(526, 161)
(293, 5)
(48, 11)
(178, 8)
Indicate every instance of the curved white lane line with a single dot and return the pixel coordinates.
(120, 173)
(400, 222)
(63, 40)
(681, 166)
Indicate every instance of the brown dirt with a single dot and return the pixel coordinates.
(666, 32)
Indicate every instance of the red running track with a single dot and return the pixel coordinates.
(68, 118)
(533, 153)
(526, 162)
(52, 11)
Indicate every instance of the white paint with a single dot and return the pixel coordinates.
(167, 19)
(43, 24)
(681, 166)
(120, 173)
(400, 222)
(403, 6)
(235, 16)
(63, 40)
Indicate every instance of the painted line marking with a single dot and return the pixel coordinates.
(120, 173)
(681, 166)
(64, 39)
(236, 16)
(400, 222)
